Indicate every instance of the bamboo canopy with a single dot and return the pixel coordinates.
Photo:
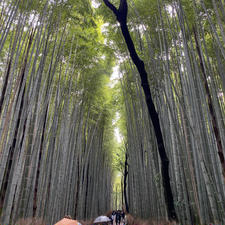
(59, 110)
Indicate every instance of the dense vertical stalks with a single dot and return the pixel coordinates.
(121, 15)
(168, 45)
(211, 107)
(43, 158)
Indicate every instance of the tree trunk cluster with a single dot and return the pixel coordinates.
(53, 148)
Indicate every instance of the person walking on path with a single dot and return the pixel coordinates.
(123, 217)
(118, 217)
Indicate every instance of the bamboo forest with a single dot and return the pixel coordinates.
(112, 105)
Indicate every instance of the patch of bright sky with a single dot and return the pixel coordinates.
(95, 4)
(117, 133)
(116, 73)
(34, 20)
(114, 78)
(170, 10)
(104, 27)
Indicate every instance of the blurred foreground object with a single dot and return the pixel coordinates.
(66, 221)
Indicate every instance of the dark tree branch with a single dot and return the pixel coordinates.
(125, 182)
(121, 15)
(123, 10)
(111, 7)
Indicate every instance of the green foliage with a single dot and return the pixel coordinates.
(119, 159)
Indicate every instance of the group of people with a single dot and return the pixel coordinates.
(118, 217)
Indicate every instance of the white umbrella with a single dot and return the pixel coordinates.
(102, 219)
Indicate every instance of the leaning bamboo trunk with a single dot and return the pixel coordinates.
(121, 15)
